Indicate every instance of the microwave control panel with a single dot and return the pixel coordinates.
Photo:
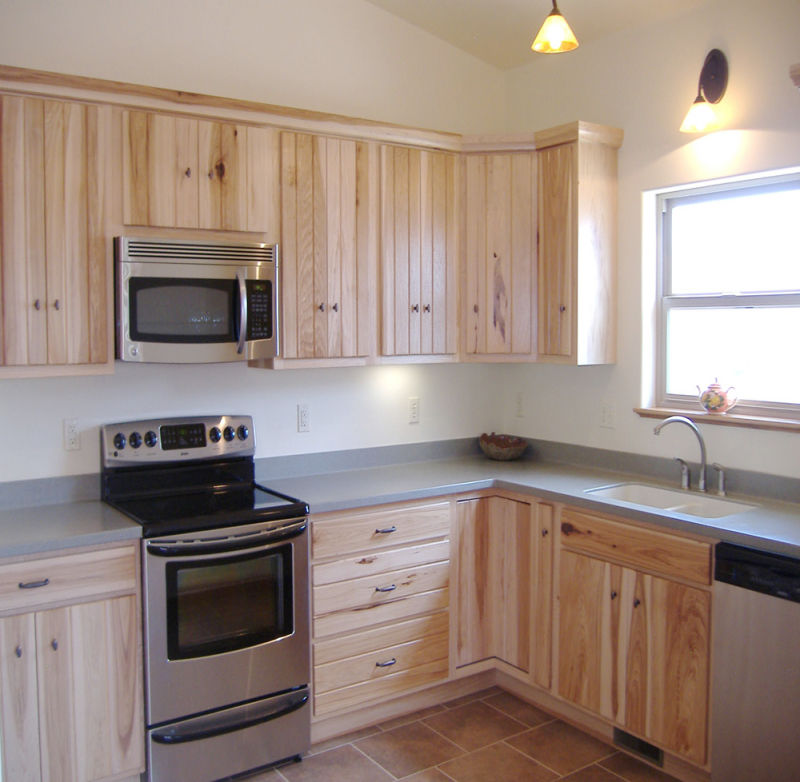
(259, 309)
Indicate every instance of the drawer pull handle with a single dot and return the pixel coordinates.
(387, 664)
(34, 584)
(390, 588)
(386, 530)
(18, 651)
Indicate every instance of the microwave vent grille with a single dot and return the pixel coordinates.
(200, 251)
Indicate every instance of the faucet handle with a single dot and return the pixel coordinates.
(720, 478)
(686, 477)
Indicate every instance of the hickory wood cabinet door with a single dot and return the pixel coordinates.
(181, 172)
(329, 192)
(55, 159)
(577, 243)
(500, 257)
(634, 646)
(420, 202)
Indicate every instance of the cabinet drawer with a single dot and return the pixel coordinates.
(380, 588)
(367, 616)
(380, 663)
(33, 584)
(340, 535)
(372, 562)
(662, 552)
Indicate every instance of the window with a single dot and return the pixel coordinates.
(729, 294)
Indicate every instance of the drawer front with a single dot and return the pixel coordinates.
(380, 588)
(382, 561)
(367, 616)
(390, 686)
(34, 584)
(628, 544)
(341, 535)
(380, 663)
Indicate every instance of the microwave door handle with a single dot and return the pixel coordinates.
(242, 310)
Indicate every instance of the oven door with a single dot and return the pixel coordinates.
(196, 312)
(226, 617)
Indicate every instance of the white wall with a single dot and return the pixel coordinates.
(644, 83)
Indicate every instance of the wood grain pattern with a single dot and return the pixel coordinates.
(542, 600)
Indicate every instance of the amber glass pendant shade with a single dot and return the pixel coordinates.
(555, 34)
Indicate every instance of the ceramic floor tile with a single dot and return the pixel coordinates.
(497, 763)
(343, 764)
(412, 717)
(519, 709)
(474, 725)
(339, 741)
(633, 770)
(475, 696)
(561, 747)
(593, 773)
(429, 775)
(408, 749)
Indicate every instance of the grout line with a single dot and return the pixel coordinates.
(375, 762)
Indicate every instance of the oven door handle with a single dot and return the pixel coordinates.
(230, 720)
(242, 310)
(227, 545)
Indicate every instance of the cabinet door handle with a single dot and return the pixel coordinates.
(613, 595)
(386, 664)
(34, 584)
(57, 305)
(321, 307)
(18, 651)
(188, 173)
(335, 307)
(475, 308)
(386, 530)
(636, 602)
(390, 588)
(545, 533)
(562, 308)
(54, 644)
(37, 305)
(426, 308)
(415, 307)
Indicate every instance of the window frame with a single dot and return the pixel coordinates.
(667, 301)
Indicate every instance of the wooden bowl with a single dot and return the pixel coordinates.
(502, 447)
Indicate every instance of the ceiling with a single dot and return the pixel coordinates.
(500, 32)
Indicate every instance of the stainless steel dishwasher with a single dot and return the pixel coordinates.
(755, 733)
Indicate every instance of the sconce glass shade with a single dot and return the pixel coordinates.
(699, 118)
(555, 35)
(710, 88)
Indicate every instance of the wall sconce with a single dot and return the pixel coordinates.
(555, 35)
(710, 89)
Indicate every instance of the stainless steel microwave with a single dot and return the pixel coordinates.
(195, 302)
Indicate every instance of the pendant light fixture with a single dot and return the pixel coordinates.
(710, 89)
(555, 35)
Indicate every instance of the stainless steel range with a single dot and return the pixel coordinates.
(226, 608)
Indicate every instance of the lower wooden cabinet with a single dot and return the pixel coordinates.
(71, 679)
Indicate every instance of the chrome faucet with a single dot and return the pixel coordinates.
(680, 419)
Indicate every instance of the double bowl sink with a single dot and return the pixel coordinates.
(678, 501)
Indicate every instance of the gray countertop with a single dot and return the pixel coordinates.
(771, 526)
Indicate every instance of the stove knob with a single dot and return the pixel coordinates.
(214, 434)
(151, 439)
(243, 432)
(135, 439)
(119, 441)
(229, 433)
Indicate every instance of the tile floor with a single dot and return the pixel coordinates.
(490, 736)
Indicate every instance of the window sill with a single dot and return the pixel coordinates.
(723, 419)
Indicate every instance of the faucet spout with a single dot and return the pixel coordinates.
(680, 419)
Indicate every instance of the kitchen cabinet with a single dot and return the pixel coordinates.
(503, 574)
(500, 255)
(71, 674)
(380, 586)
(181, 172)
(329, 206)
(634, 614)
(577, 243)
(420, 203)
(54, 162)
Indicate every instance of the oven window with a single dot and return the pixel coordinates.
(226, 604)
(188, 311)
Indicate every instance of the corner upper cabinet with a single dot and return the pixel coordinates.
(499, 297)
(329, 220)
(55, 163)
(181, 172)
(576, 301)
(420, 204)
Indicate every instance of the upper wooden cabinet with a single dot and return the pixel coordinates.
(55, 164)
(329, 210)
(577, 232)
(500, 257)
(180, 172)
(420, 204)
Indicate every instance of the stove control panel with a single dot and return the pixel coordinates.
(151, 441)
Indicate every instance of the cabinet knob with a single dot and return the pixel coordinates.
(321, 307)
(426, 308)
(335, 307)
(636, 602)
(188, 173)
(57, 304)
(562, 308)
(613, 595)
(18, 651)
(415, 307)
(37, 305)
(545, 533)
(54, 644)
(475, 308)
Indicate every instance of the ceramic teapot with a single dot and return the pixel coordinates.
(715, 400)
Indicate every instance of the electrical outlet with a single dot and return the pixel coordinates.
(303, 418)
(72, 437)
(413, 410)
(520, 410)
(608, 415)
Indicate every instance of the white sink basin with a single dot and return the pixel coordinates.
(689, 502)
